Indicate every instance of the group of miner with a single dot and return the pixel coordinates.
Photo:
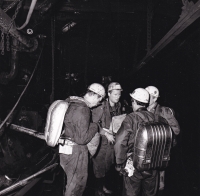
(93, 113)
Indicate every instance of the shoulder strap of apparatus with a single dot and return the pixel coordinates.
(143, 115)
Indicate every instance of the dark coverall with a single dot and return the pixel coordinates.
(78, 127)
(169, 115)
(148, 180)
(104, 157)
(166, 113)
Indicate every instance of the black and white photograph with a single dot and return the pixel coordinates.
(99, 97)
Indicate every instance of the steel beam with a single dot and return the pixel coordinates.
(188, 16)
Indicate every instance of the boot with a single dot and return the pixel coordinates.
(162, 181)
(99, 193)
(107, 191)
(99, 187)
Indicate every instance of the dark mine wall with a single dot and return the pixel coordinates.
(175, 71)
(176, 74)
(98, 50)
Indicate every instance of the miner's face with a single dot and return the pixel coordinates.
(152, 100)
(114, 96)
(95, 100)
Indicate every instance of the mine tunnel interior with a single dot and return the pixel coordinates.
(92, 44)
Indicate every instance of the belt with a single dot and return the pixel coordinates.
(67, 142)
(66, 147)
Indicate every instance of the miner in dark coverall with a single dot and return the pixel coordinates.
(140, 181)
(79, 129)
(166, 113)
(104, 158)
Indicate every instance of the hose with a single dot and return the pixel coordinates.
(29, 14)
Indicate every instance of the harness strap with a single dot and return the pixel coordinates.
(143, 115)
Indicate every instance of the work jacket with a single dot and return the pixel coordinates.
(104, 158)
(166, 113)
(77, 122)
(103, 115)
(126, 135)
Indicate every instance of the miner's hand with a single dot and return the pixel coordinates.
(110, 137)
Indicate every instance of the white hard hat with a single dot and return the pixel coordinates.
(141, 95)
(98, 89)
(114, 86)
(153, 91)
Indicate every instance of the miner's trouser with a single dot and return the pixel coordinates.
(148, 184)
(75, 167)
(104, 158)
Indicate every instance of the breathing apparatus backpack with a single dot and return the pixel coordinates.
(152, 145)
(54, 126)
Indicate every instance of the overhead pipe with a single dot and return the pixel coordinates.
(7, 25)
(6, 77)
(29, 14)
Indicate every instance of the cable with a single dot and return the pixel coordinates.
(32, 6)
(23, 90)
(53, 58)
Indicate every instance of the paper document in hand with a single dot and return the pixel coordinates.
(116, 122)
